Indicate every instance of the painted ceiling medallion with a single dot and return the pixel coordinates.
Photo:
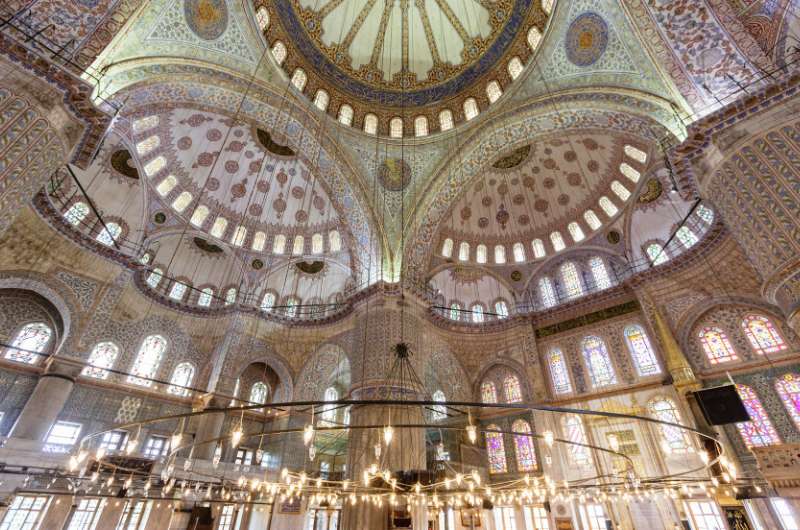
(310, 267)
(394, 174)
(122, 162)
(208, 19)
(513, 159)
(402, 52)
(652, 191)
(587, 39)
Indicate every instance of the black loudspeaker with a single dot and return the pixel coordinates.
(722, 405)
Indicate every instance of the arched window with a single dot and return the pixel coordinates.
(33, 338)
(673, 438)
(557, 241)
(439, 412)
(328, 413)
(445, 120)
(538, 249)
(219, 226)
(547, 294)
(788, 388)
(499, 254)
(262, 18)
(477, 313)
(481, 253)
(178, 291)
(147, 360)
(571, 280)
(547, 6)
(470, 108)
(575, 231)
(455, 311)
(620, 190)
(493, 91)
(199, 215)
(103, 356)
(144, 124)
(574, 432)
(155, 165)
(629, 172)
(447, 248)
(371, 124)
(558, 372)
(109, 234)
(716, 345)
(496, 450)
(512, 389)
(279, 244)
(501, 309)
(334, 241)
(396, 127)
(258, 394)
(154, 278)
(599, 273)
(346, 114)
(642, 353)
(147, 145)
(592, 220)
(607, 206)
(705, 213)
(686, 236)
(259, 240)
(463, 251)
(598, 362)
(534, 37)
(519, 252)
(166, 185)
(317, 244)
(515, 67)
(77, 213)
(636, 154)
(230, 296)
(321, 100)
(763, 336)
(181, 377)
(299, 79)
(523, 446)
(204, 300)
(292, 304)
(656, 254)
(299, 245)
(488, 392)
(182, 201)
(239, 235)
(421, 126)
(759, 431)
(268, 301)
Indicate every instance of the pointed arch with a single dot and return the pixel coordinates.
(788, 388)
(496, 450)
(488, 392)
(759, 431)
(762, 335)
(523, 446)
(644, 359)
(598, 362)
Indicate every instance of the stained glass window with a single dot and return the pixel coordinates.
(421, 126)
(575, 231)
(199, 215)
(147, 360)
(599, 273)
(219, 226)
(635, 153)
(155, 165)
(558, 372)
(143, 124)
(178, 291)
(181, 377)
(573, 429)
(501, 309)
(463, 251)
(317, 244)
(481, 253)
(496, 449)
(447, 248)
(571, 279)
(268, 301)
(686, 236)
(328, 413)
(477, 313)
(642, 353)
(396, 127)
(258, 393)
(607, 206)
(601, 371)
(499, 254)
(33, 338)
(759, 431)
(166, 185)
(470, 108)
(103, 356)
(534, 37)
(292, 304)
(204, 300)
(346, 114)
(629, 172)
(239, 235)
(538, 248)
(488, 392)
(279, 244)
(77, 213)
(592, 220)
(523, 445)
(657, 254)
(154, 278)
(148, 144)
(664, 410)
(279, 52)
(557, 241)
(493, 91)
(788, 388)
(519, 252)
(439, 411)
(512, 389)
(445, 120)
(705, 213)
(763, 336)
(546, 292)
(262, 18)
(259, 240)
(298, 247)
(514, 67)
(109, 234)
(299, 79)
(371, 124)
(716, 345)
(321, 100)
(620, 190)
(455, 311)
(230, 296)
(334, 241)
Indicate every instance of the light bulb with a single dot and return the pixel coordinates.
(236, 436)
(549, 438)
(472, 433)
(388, 434)
(308, 434)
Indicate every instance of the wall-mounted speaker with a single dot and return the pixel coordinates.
(722, 405)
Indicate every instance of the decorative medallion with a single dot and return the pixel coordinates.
(310, 267)
(122, 162)
(502, 216)
(257, 264)
(652, 191)
(268, 143)
(208, 19)
(159, 218)
(587, 39)
(394, 174)
(516, 275)
(515, 158)
(614, 237)
(205, 246)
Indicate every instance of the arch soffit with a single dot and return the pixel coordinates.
(265, 354)
(310, 365)
(624, 113)
(511, 365)
(572, 254)
(486, 270)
